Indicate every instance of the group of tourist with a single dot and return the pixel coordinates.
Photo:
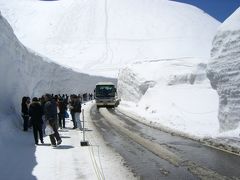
(50, 111)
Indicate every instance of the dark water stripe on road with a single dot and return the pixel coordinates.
(209, 142)
(161, 151)
(217, 160)
(143, 163)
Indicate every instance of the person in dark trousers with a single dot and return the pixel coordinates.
(42, 102)
(50, 112)
(29, 119)
(36, 113)
(72, 111)
(25, 113)
(62, 108)
(66, 99)
(77, 108)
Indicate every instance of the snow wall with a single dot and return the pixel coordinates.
(164, 72)
(173, 89)
(175, 93)
(107, 35)
(185, 34)
(25, 73)
(224, 71)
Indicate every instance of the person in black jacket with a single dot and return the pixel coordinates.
(25, 114)
(36, 113)
(71, 107)
(62, 109)
(77, 108)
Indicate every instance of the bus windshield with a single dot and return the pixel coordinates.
(105, 91)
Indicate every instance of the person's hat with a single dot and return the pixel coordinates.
(35, 99)
(48, 96)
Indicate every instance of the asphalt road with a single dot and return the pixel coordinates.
(153, 154)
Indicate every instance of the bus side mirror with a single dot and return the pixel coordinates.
(115, 90)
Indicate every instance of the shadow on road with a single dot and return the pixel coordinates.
(17, 156)
(65, 137)
(44, 145)
(64, 147)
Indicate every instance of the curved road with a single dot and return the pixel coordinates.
(153, 154)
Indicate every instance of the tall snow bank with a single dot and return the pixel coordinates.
(102, 36)
(171, 92)
(224, 71)
(141, 76)
(173, 89)
(24, 73)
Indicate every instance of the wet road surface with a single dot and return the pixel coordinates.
(193, 160)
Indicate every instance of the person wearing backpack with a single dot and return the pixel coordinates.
(77, 108)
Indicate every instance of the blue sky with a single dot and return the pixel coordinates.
(219, 9)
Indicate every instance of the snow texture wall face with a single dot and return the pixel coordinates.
(135, 80)
(25, 73)
(175, 93)
(110, 34)
(130, 86)
(224, 71)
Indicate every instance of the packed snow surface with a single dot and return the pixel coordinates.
(99, 37)
(223, 71)
(21, 159)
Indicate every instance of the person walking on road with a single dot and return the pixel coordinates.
(71, 107)
(36, 112)
(77, 108)
(50, 111)
(62, 109)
